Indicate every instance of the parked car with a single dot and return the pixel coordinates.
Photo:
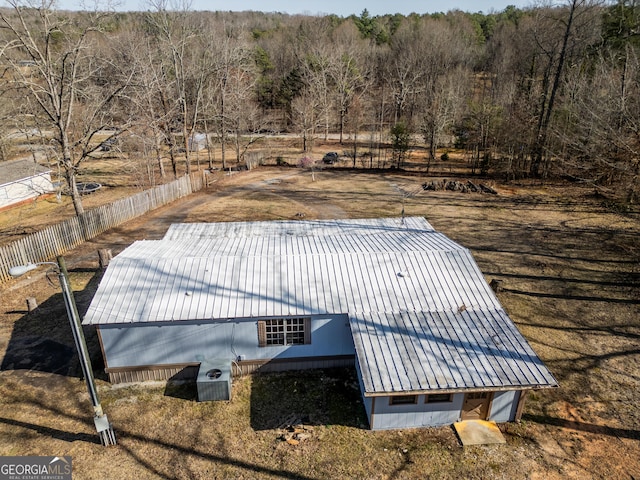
(330, 158)
(109, 144)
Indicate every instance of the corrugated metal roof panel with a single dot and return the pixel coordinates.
(169, 288)
(427, 351)
(367, 226)
(267, 246)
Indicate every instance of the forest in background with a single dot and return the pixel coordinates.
(543, 92)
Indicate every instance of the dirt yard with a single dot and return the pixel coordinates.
(571, 274)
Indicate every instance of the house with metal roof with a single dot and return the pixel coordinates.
(404, 304)
(21, 181)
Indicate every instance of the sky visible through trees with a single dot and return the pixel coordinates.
(336, 7)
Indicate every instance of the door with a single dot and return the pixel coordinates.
(476, 405)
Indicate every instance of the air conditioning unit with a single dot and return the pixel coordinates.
(214, 381)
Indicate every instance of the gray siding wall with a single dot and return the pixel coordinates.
(367, 401)
(184, 342)
(420, 414)
(504, 406)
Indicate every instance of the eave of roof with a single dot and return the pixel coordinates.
(444, 352)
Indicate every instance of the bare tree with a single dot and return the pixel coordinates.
(598, 139)
(404, 69)
(347, 70)
(230, 92)
(447, 55)
(443, 107)
(577, 22)
(54, 62)
(306, 112)
(173, 29)
(314, 52)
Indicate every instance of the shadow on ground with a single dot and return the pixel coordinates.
(314, 397)
(42, 341)
(583, 426)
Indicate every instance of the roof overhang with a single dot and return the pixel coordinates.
(444, 352)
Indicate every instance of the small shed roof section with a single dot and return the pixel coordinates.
(16, 170)
(444, 351)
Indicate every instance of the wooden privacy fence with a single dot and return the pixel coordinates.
(57, 239)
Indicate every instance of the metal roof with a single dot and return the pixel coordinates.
(390, 267)
(444, 351)
(366, 226)
(16, 170)
(413, 296)
(206, 247)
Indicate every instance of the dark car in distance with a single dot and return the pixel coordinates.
(330, 158)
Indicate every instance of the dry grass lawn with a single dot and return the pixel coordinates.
(571, 275)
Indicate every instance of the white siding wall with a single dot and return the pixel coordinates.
(183, 342)
(25, 189)
(504, 406)
(421, 414)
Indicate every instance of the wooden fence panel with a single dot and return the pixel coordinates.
(56, 239)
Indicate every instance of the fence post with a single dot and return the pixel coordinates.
(104, 257)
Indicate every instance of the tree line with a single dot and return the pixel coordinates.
(531, 93)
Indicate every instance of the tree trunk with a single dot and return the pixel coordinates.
(73, 190)
(185, 136)
(355, 146)
(546, 115)
(70, 175)
(208, 143)
(172, 155)
(223, 129)
(237, 145)
(156, 146)
(432, 144)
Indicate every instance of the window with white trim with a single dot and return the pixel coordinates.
(284, 331)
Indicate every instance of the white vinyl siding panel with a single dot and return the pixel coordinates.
(420, 414)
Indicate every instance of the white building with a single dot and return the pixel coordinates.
(21, 181)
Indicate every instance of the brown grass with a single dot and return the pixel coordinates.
(571, 271)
